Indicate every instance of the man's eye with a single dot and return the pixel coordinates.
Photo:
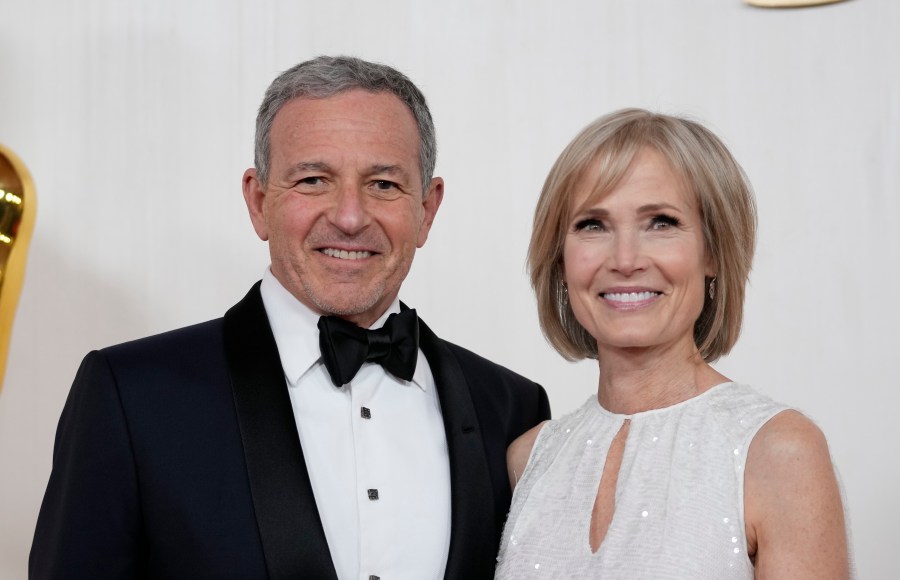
(312, 180)
(589, 225)
(384, 189)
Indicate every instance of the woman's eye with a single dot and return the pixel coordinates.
(589, 225)
(663, 222)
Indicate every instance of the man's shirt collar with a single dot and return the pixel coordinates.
(296, 332)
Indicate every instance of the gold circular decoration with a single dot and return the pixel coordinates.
(17, 213)
(789, 3)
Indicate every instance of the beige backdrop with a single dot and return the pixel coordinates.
(136, 119)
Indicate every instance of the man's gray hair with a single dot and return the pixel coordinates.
(327, 76)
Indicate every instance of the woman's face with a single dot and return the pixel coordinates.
(634, 261)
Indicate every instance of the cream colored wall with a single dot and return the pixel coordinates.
(136, 119)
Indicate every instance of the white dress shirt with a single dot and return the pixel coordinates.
(375, 450)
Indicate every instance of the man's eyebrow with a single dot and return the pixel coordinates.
(308, 166)
(388, 169)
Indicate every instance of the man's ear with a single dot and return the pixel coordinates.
(430, 204)
(255, 198)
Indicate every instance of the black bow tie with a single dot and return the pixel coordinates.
(345, 346)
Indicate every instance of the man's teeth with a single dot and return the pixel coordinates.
(345, 255)
(629, 296)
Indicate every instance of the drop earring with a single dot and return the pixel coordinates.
(712, 288)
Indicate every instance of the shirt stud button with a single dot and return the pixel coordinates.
(365, 413)
(373, 494)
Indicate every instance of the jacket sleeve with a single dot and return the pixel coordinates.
(90, 520)
(543, 413)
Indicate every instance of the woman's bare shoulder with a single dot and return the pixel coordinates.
(793, 507)
(789, 432)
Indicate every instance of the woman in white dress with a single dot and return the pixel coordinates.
(643, 241)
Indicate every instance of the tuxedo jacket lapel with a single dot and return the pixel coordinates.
(290, 528)
(472, 536)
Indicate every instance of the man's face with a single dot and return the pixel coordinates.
(343, 210)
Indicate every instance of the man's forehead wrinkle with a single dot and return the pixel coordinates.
(325, 121)
(386, 169)
(311, 166)
(373, 169)
(304, 166)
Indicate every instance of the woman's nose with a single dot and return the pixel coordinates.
(628, 254)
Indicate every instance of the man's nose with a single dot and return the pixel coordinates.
(351, 212)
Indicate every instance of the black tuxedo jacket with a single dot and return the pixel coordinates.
(177, 456)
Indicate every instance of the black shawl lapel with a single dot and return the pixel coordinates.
(290, 528)
(472, 538)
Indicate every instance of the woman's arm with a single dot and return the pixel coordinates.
(792, 503)
(519, 451)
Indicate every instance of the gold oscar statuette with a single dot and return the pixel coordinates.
(17, 210)
(789, 3)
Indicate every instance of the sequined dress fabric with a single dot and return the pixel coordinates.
(679, 497)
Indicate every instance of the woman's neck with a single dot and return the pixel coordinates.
(637, 380)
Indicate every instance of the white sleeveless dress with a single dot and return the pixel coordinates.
(679, 497)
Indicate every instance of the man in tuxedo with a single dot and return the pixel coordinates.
(319, 429)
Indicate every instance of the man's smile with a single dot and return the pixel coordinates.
(345, 254)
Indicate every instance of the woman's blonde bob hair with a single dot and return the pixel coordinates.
(727, 210)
